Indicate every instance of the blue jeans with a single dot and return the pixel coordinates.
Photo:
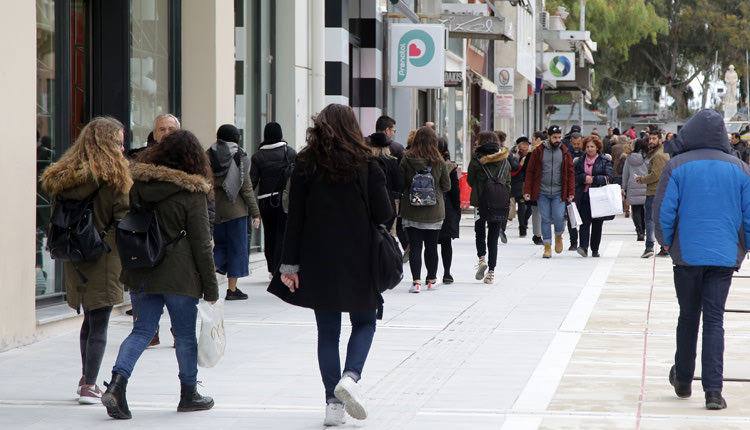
(701, 288)
(183, 312)
(552, 209)
(329, 331)
(649, 215)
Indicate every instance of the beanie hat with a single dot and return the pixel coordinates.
(378, 140)
(272, 133)
(554, 129)
(228, 133)
(522, 139)
(575, 128)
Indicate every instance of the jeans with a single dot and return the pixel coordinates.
(274, 224)
(701, 288)
(183, 312)
(417, 236)
(649, 217)
(93, 341)
(639, 219)
(592, 226)
(491, 240)
(329, 332)
(552, 209)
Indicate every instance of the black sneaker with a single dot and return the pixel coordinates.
(683, 390)
(236, 295)
(595, 254)
(573, 247)
(503, 237)
(447, 279)
(537, 240)
(583, 252)
(640, 238)
(714, 401)
(647, 253)
(663, 253)
(521, 232)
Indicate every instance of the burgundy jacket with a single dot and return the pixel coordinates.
(534, 174)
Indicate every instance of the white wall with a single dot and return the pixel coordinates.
(17, 172)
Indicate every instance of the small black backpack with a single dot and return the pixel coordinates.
(422, 190)
(139, 240)
(494, 201)
(72, 235)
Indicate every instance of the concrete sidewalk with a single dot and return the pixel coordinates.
(565, 343)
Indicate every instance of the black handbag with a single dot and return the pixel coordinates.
(139, 239)
(387, 266)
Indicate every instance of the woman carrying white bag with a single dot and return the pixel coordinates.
(593, 170)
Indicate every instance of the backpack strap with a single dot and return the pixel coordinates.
(499, 175)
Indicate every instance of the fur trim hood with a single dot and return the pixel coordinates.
(143, 172)
(71, 172)
(496, 157)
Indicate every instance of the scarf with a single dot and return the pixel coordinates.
(588, 167)
(227, 158)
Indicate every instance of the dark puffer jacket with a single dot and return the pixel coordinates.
(267, 166)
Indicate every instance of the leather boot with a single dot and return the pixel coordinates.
(114, 398)
(558, 244)
(191, 400)
(547, 251)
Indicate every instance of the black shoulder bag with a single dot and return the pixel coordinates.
(139, 239)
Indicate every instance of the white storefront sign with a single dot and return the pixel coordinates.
(504, 77)
(559, 66)
(417, 55)
(504, 104)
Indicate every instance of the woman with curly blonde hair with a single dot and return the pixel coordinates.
(94, 167)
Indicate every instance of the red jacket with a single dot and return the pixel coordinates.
(534, 174)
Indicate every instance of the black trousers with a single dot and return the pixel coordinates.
(523, 213)
(572, 232)
(446, 252)
(274, 224)
(487, 239)
(417, 237)
(93, 339)
(594, 226)
(637, 212)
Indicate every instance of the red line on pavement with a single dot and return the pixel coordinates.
(645, 347)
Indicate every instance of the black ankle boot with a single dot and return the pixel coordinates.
(114, 398)
(191, 400)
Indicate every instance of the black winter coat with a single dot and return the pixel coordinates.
(602, 173)
(518, 172)
(267, 166)
(328, 236)
(394, 182)
(452, 199)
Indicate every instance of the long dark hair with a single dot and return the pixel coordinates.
(425, 145)
(180, 150)
(443, 148)
(641, 146)
(335, 145)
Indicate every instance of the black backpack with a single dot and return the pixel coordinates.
(422, 190)
(72, 235)
(281, 191)
(139, 240)
(494, 201)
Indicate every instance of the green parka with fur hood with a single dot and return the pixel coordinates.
(180, 202)
(489, 156)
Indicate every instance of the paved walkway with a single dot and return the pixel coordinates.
(565, 343)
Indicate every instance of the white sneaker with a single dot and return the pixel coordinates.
(334, 415)
(431, 285)
(490, 278)
(347, 391)
(481, 267)
(415, 288)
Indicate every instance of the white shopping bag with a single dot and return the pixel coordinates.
(573, 216)
(212, 340)
(605, 201)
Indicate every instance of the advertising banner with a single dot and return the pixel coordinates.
(559, 66)
(417, 55)
(504, 106)
(504, 79)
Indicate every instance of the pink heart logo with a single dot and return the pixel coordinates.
(414, 51)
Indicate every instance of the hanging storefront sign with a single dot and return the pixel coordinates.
(418, 55)
(559, 66)
(453, 79)
(504, 104)
(504, 79)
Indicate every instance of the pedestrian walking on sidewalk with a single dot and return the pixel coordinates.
(519, 157)
(94, 167)
(334, 185)
(270, 168)
(707, 243)
(235, 200)
(489, 163)
(451, 223)
(657, 160)
(635, 193)
(593, 169)
(390, 166)
(174, 178)
(550, 182)
(423, 208)
(576, 151)
(536, 217)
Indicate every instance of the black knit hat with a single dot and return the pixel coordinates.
(228, 133)
(522, 139)
(554, 129)
(272, 133)
(575, 128)
(378, 140)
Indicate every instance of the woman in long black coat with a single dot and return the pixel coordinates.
(325, 262)
(450, 228)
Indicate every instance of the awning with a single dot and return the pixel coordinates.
(483, 82)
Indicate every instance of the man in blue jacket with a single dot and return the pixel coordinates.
(707, 242)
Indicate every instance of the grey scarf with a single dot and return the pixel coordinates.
(227, 158)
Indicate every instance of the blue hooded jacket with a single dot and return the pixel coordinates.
(702, 204)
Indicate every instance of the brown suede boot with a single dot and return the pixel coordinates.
(547, 251)
(558, 244)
